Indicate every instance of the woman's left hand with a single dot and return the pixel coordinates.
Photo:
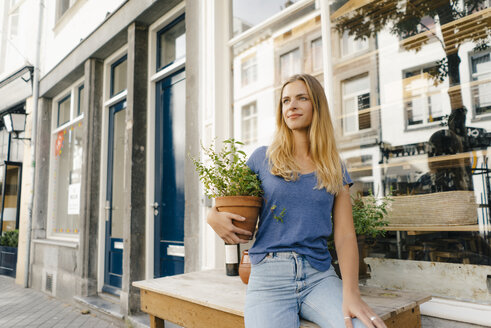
(355, 307)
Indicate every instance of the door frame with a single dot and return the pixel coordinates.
(109, 194)
(154, 78)
(108, 103)
(4, 186)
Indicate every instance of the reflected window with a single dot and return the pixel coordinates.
(356, 104)
(290, 64)
(248, 13)
(118, 76)
(249, 123)
(64, 110)
(351, 46)
(424, 99)
(316, 47)
(171, 43)
(249, 70)
(481, 88)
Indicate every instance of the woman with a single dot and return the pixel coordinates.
(303, 182)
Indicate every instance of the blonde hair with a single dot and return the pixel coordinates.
(323, 150)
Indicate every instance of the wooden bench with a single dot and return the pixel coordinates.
(212, 299)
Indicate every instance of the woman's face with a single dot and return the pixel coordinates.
(297, 107)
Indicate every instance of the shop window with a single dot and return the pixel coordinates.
(64, 110)
(424, 99)
(249, 123)
(171, 43)
(290, 64)
(249, 70)
(356, 104)
(118, 76)
(66, 167)
(481, 85)
(316, 47)
(350, 46)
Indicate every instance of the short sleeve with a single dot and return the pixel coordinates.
(346, 177)
(252, 161)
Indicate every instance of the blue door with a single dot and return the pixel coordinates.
(169, 175)
(115, 199)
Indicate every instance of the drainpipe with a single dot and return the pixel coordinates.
(33, 142)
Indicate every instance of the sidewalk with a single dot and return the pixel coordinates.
(25, 307)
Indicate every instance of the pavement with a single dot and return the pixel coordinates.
(26, 307)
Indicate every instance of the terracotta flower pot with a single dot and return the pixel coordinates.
(246, 206)
(245, 267)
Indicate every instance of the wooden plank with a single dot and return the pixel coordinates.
(156, 322)
(410, 318)
(185, 313)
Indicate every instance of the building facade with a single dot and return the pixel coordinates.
(127, 89)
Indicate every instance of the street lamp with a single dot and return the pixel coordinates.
(16, 123)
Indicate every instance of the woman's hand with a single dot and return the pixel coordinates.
(354, 306)
(221, 222)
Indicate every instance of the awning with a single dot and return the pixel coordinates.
(16, 88)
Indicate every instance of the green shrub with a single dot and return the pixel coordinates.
(10, 238)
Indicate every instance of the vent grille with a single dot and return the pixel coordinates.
(49, 283)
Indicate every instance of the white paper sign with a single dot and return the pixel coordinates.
(74, 199)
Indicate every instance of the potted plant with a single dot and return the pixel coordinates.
(9, 241)
(235, 187)
(369, 215)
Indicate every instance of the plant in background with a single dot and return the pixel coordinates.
(10, 238)
(226, 174)
(369, 213)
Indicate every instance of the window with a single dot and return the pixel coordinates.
(356, 102)
(62, 7)
(249, 70)
(351, 46)
(66, 166)
(171, 43)
(249, 123)
(316, 47)
(14, 25)
(118, 76)
(423, 100)
(290, 64)
(64, 110)
(481, 89)
(81, 100)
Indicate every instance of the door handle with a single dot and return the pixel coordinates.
(155, 205)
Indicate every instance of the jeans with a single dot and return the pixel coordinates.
(283, 286)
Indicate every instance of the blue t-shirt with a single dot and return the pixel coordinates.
(305, 223)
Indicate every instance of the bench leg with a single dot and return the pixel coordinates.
(156, 322)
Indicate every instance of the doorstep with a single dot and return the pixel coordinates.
(101, 304)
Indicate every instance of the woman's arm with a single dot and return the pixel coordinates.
(347, 251)
(221, 222)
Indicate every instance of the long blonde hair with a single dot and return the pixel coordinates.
(323, 150)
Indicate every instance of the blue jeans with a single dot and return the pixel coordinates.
(283, 286)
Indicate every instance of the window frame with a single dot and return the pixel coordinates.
(343, 52)
(111, 76)
(58, 14)
(473, 79)
(285, 53)
(166, 28)
(355, 96)
(253, 137)
(426, 109)
(246, 66)
(320, 68)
